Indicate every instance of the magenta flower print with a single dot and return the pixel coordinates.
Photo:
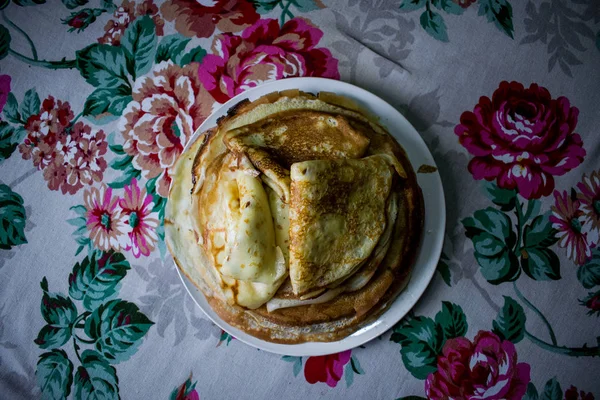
(137, 210)
(265, 51)
(4, 90)
(521, 138)
(568, 219)
(105, 220)
(486, 368)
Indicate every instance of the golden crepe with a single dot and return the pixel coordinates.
(298, 217)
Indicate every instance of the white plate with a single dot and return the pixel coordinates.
(435, 216)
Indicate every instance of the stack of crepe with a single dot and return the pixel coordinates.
(298, 217)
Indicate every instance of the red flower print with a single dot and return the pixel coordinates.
(328, 369)
(264, 52)
(71, 156)
(125, 15)
(464, 3)
(137, 210)
(195, 19)
(568, 219)
(521, 138)
(168, 105)
(590, 205)
(573, 394)
(486, 368)
(4, 90)
(105, 219)
(592, 303)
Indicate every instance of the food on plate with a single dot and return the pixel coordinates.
(298, 216)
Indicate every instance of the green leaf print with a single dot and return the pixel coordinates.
(421, 340)
(411, 5)
(71, 4)
(504, 198)
(7, 143)
(493, 238)
(112, 101)
(171, 48)
(433, 23)
(59, 312)
(12, 218)
(139, 41)
(4, 41)
(118, 328)
(54, 374)
(500, 13)
(552, 391)
(589, 273)
(306, 5)
(510, 322)
(31, 104)
(539, 262)
(194, 55)
(444, 269)
(448, 6)
(532, 393)
(11, 110)
(452, 320)
(96, 279)
(95, 379)
(103, 65)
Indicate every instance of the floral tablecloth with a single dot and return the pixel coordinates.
(98, 99)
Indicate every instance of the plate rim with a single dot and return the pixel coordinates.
(372, 330)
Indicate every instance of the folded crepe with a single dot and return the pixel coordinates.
(298, 218)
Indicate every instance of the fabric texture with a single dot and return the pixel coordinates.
(99, 98)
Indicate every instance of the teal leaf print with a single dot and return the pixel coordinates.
(592, 302)
(510, 322)
(118, 328)
(81, 233)
(8, 142)
(589, 273)
(552, 391)
(411, 5)
(434, 25)
(26, 3)
(306, 5)
(452, 320)
(448, 6)
(500, 13)
(54, 374)
(139, 41)
(444, 269)
(96, 279)
(421, 340)
(31, 104)
(11, 110)
(171, 47)
(95, 379)
(112, 101)
(123, 163)
(71, 4)
(493, 238)
(539, 262)
(194, 55)
(532, 393)
(12, 218)
(297, 361)
(103, 65)
(504, 198)
(4, 41)
(59, 312)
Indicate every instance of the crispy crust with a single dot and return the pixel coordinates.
(349, 311)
